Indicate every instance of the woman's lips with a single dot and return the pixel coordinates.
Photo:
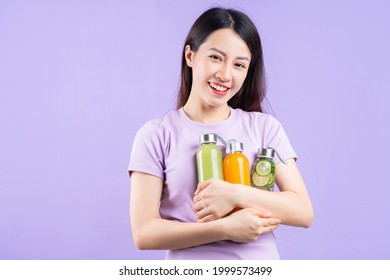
(218, 88)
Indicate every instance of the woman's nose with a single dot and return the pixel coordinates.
(224, 74)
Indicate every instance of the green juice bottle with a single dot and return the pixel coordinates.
(263, 170)
(209, 158)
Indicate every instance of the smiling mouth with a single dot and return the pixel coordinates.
(219, 89)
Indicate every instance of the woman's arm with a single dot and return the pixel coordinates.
(292, 204)
(150, 231)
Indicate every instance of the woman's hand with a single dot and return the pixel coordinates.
(248, 224)
(214, 199)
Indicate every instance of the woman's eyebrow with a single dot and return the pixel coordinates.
(224, 54)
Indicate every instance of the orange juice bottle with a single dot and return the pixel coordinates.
(236, 169)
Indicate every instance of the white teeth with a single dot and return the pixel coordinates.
(217, 87)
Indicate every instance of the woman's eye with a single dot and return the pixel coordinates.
(239, 65)
(215, 57)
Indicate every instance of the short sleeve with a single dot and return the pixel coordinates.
(147, 153)
(276, 138)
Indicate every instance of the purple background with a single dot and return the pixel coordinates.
(78, 78)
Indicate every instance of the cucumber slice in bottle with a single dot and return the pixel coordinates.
(259, 180)
(263, 167)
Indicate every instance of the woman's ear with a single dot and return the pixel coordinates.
(188, 55)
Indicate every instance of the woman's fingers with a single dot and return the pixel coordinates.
(267, 222)
(197, 206)
(200, 213)
(203, 185)
(207, 218)
(204, 214)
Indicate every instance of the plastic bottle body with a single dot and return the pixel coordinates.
(209, 162)
(236, 169)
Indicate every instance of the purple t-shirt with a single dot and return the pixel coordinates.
(166, 147)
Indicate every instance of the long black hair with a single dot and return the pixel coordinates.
(253, 90)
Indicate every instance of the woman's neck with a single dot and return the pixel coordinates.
(207, 114)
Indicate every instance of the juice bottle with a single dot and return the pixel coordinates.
(236, 168)
(263, 170)
(209, 158)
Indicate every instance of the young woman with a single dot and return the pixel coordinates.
(222, 86)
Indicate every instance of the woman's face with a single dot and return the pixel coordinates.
(219, 67)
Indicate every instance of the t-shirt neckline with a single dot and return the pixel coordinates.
(215, 126)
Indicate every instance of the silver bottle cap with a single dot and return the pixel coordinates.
(267, 153)
(208, 138)
(233, 146)
(270, 153)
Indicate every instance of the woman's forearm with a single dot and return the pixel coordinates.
(160, 234)
(293, 209)
(241, 226)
